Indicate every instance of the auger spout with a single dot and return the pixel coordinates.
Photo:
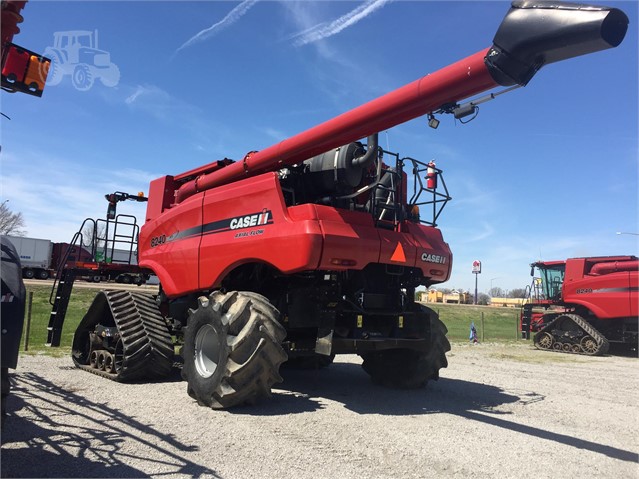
(534, 34)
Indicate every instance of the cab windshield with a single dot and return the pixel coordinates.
(552, 277)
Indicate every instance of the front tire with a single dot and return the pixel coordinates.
(409, 368)
(232, 350)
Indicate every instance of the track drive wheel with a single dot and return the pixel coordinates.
(232, 349)
(544, 341)
(589, 345)
(408, 368)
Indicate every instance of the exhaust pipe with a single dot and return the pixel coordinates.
(537, 33)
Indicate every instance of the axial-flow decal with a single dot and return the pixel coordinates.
(262, 218)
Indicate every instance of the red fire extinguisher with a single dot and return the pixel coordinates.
(431, 176)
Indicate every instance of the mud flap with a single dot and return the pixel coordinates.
(324, 343)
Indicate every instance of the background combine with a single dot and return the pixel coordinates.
(581, 305)
(314, 246)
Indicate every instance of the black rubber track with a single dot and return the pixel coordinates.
(242, 349)
(602, 343)
(146, 349)
(408, 368)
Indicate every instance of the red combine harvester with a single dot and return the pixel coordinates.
(581, 305)
(314, 246)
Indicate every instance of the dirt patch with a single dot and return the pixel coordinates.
(497, 411)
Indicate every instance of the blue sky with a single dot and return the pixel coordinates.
(548, 171)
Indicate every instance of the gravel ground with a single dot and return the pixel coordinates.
(497, 411)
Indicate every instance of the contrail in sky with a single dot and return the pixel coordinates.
(325, 30)
(232, 17)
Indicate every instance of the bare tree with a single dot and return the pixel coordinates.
(496, 292)
(93, 236)
(517, 293)
(11, 223)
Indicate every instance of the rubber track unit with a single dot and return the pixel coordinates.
(147, 351)
(599, 338)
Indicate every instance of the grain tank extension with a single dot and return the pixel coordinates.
(314, 246)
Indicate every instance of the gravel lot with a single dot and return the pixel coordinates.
(498, 411)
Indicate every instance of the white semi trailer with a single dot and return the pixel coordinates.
(35, 256)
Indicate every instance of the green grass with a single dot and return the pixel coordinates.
(41, 309)
(499, 325)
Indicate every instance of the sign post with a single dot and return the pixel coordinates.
(476, 271)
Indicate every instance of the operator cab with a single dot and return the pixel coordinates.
(552, 278)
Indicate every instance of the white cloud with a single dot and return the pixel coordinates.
(328, 29)
(158, 103)
(54, 203)
(232, 17)
(276, 135)
(468, 191)
(133, 175)
(486, 231)
(134, 96)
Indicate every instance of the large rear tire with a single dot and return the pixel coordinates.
(409, 368)
(232, 350)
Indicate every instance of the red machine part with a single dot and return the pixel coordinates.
(460, 80)
(16, 63)
(22, 69)
(615, 266)
(192, 217)
(10, 19)
(204, 235)
(606, 286)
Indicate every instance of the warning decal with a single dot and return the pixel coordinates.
(399, 255)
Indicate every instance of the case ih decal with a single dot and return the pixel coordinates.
(263, 218)
(255, 219)
(434, 258)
